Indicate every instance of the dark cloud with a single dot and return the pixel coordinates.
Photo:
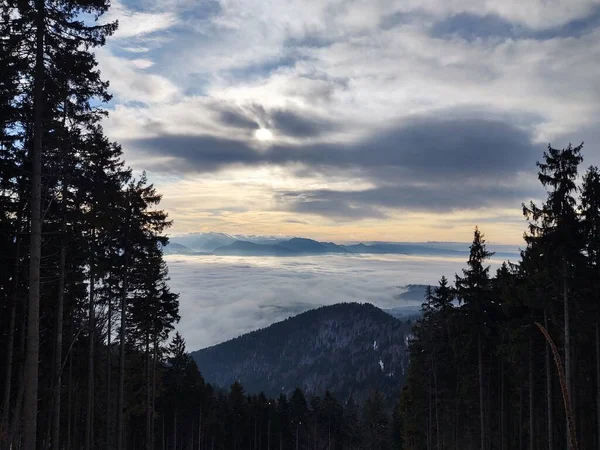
(422, 147)
(434, 197)
(452, 147)
(335, 208)
(574, 28)
(261, 69)
(397, 19)
(428, 163)
(294, 124)
(470, 27)
(237, 120)
(191, 153)
(283, 122)
(309, 41)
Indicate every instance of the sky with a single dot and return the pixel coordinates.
(349, 120)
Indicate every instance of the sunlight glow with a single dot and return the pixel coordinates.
(262, 134)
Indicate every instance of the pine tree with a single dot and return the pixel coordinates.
(473, 290)
(590, 215)
(555, 228)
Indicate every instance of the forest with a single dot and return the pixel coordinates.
(511, 360)
(86, 311)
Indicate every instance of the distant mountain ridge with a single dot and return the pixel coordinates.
(291, 247)
(207, 242)
(172, 248)
(347, 348)
(223, 244)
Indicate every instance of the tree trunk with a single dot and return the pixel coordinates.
(16, 418)
(430, 419)
(8, 374)
(531, 398)
(200, 429)
(70, 402)
(502, 409)
(481, 392)
(148, 396)
(10, 343)
(456, 401)
(598, 379)
(89, 424)
(58, 347)
(120, 392)
(549, 412)
(567, 342)
(108, 374)
(152, 423)
(30, 406)
(437, 416)
(520, 429)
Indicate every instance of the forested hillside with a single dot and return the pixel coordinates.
(482, 374)
(84, 301)
(349, 349)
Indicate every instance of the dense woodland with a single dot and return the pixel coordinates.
(349, 349)
(482, 373)
(86, 311)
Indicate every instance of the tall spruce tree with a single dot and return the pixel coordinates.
(473, 291)
(554, 227)
(590, 216)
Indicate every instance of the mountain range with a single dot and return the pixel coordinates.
(248, 245)
(347, 348)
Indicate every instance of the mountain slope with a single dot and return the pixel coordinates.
(348, 348)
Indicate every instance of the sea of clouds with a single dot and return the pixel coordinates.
(222, 297)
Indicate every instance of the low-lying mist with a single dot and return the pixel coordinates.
(223, 297)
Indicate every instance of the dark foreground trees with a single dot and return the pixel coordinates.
(191, 414)
(495, 384)
(80, 239)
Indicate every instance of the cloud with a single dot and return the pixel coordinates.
(237, 119)
(290, 123)
(536, 14)
(430, 163)
(471, 26)
(441, 197)
(223, 297)
(130, 81)
(138, 23)
(332, 207)
(425, 146)
(431, 106)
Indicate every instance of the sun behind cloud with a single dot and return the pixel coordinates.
(262, 134)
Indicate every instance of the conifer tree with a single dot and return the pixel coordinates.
(555, 228)
(590, 215)
(473, 291)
